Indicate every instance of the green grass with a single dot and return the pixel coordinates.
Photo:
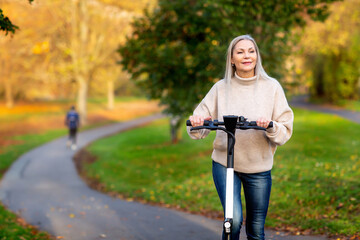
(10, 229)
(351, 105)
(156, 170)
(315, 175)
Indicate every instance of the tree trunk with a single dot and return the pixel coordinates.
(83, 83)
(110, 95)
(82, 99)
(79, 54)
(9, 98)
(175, 126)
(6, 79)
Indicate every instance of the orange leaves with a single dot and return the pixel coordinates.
(21, 221)
(40, 48)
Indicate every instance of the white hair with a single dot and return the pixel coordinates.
(230, 70)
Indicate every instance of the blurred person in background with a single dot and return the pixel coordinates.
(72, 121)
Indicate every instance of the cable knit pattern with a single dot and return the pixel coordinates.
(252, 98)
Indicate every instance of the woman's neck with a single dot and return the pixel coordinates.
(249, 74)
(246, 79)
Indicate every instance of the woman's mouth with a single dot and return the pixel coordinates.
(247, 63)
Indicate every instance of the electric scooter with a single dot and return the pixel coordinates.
(231, 123)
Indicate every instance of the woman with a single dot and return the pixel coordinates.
(248, 91)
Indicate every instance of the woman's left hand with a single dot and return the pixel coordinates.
(263, 122)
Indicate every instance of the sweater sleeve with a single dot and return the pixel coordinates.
(207, 107)
(282, 117)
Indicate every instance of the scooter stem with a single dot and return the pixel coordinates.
(230, 125)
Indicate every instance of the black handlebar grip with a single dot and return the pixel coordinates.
(253, 123)
(206, 123)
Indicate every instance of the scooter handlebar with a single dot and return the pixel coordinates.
(207, 123)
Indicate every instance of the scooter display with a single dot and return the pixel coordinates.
(231, 123)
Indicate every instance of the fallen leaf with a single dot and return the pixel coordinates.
(339, 206)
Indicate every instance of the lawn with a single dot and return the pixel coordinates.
(351, 105)
(315, 175)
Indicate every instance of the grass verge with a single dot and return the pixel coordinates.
(315, 176)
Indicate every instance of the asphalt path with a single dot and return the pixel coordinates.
(43, 187)
(302, 102)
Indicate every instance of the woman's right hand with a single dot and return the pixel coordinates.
(198, 120)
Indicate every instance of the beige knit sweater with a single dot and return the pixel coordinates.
(251, 98)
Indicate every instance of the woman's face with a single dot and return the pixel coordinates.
(244, 57)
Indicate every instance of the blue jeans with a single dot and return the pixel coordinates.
(257, 187)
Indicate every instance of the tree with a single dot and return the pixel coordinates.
(12, 49)
(5, 23)
(95, 47)
(330, 53)
(36, 62)
(7, 26)
(31, 58)
(177, 51)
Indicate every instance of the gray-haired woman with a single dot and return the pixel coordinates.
(246, 90)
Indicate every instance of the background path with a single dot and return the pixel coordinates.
(302, 102)
(44, 188)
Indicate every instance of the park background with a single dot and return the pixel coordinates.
(94, 55)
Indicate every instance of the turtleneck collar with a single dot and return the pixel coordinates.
(244, 81)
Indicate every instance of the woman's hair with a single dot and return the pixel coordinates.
(230, 70)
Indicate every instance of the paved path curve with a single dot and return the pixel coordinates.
(44, 188)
